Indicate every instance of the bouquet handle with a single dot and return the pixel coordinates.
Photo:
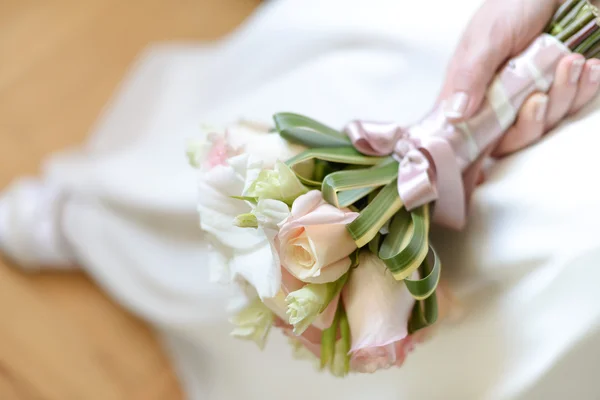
(435, 153)
(530, 72)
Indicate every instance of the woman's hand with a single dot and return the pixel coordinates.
(499, 31)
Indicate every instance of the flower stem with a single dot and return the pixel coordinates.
(575, 27)
(347, 340)
(588, 43)
(594, 52)
(575, 40)
(562, 11)
(569, 17)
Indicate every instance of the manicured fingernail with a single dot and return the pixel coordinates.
(541, 106)
(576, 69)
(595, 73)
(457, 105)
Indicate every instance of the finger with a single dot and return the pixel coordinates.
(474, 175)
(469, 78)
(529, 127)
(589, 85)
(564, 89)
(497, 31)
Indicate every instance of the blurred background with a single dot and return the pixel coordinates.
(60, 62)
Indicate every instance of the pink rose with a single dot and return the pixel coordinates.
(314, 245)
(372, 359)
(378, 309)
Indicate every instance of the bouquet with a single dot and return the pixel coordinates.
(327, 231)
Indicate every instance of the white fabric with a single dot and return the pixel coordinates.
(526, 268)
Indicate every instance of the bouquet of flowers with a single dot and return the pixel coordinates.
(329, 230)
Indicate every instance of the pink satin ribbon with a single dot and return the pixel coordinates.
(427, 170)
(433, 155)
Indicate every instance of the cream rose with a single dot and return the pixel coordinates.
(314, 245)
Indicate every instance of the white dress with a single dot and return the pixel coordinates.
(123, 208)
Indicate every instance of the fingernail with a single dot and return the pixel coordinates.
(457, 105)
(595, 73)
(576, 69)
(541, 106)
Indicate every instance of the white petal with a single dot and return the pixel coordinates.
(257, 266)
(270, 213)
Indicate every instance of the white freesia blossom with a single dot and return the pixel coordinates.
(267, 215)
(277, 304)
(242, 295)
(253, 323)
(270, 213)
(279, 183)
(306, 304)
(244, 253)
(248, 252)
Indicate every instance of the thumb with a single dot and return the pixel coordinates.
(468, 78)
(497, 31)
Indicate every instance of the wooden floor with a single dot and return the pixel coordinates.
(60, 61)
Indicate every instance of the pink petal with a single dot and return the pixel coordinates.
(306, 203)
(218, 154)
(377, 305)
(326, 214)
(311, 338)
(289, 283)
(331, 272)
(330, 243)
(372, 359)
(325, 319)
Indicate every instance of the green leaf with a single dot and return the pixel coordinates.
(354, 259)
(425, 311)
(308, 132)
(383, 207)
(252, 200)
(424, 314)
(406, 246)
(425, 287)
(358, 182)
(341, 155)
(375, 243)
(349, 197)
(321, 170)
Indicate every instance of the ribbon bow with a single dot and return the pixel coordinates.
(434, 153)
(428, 168)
